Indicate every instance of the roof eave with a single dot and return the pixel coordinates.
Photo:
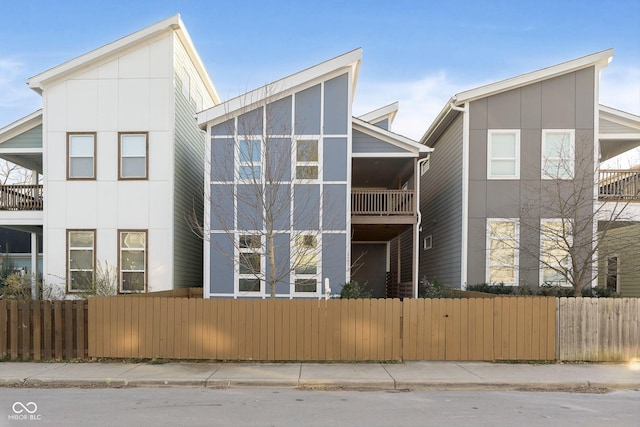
(398, 139)
(21, 125)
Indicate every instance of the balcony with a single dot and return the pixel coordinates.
(382, 203)
(619, 184)
(21, 197)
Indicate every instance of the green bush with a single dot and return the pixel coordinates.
(544, 290)
(352, 290)
(434, 289)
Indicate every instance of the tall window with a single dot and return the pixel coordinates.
(307, 165)
(132, 263)
(503, 154)
(502, 251)
(612, 273)
(81, 159)
(558, 153)
(80, 260)
(555, 258)
(305, 258)
(250, 159)
(250, 263)
(133, 151)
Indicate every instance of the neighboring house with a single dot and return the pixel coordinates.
(343, 187)
(15, 251)
(509, 160)
(120, 154)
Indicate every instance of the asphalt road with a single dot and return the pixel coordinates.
(289, 407)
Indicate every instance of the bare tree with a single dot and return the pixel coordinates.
(10, 173)
(263, 197)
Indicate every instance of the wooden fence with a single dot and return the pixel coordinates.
(599, 329)
(36, 330)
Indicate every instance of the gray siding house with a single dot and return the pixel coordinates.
(297, 189)
(515, 165)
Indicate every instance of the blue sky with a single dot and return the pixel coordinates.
(416, 52)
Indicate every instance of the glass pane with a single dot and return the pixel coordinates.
(81, 239)
(132, 282)
(501, 256)
(552, 277)
(81, 145)
(132, 260)
(249, 173)
(132, 239)
(306, 241)
(307, 263)
(134, 167)
(307, 151)
(503, 230)
(503, 145)
(558, 168)
(503, 167)
(81, 259)
(502, 275)
(250, 150)
(557, 145)
(305, 285)
(134, 145)
(306, 172)
(249, 285)
(81, 280)
(250, 241)
(81, 167)
(249, 263)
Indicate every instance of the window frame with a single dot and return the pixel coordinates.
(146, 262)
(260, 276)
(69, 270)
(608, 272)
(544, 238)
(243, 163)
(572, 154)
(306, 163)
(425, 165)
(316, 252)
(516, 251)
(121, 157)
(516, 159)
(70, 136)
(427, 242)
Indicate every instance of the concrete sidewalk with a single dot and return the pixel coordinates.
(358, 376)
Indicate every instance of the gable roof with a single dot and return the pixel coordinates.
(389, 137)
(20, 126)
(285, 85)
(451, 108)
(386, 112)
(173, 23)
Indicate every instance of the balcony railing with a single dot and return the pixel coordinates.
(21, 197)
(619, 184)
(382, 202)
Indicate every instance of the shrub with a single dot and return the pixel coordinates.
(434, 289)
(17, 286)
(352, 290)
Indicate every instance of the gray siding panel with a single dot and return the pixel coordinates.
(282, 254)
(222, 159)
(336, 105)
(384, 124)
(29, 139)
(334, 261)
(221, 207)
(306, 207)
(278, 159)
(249, 211)
(363, 143)
(334, 163)
(226, 128)
(278, 201)
(221, 264)
(250, 123)
(307, 121)
(334, 207)
(188, 194)
(279, 117)
(441, 207)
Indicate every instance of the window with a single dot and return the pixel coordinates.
(132, 264)
(557, 154)
(250, 159)
(133, 150)
(612, 273)
(555, 258)
(502, 251)
(307, 164)
(81, 148)
(425, 165)
(503, 154)
(80, 260)
(250, 263)
(427, 243)
(305, 258)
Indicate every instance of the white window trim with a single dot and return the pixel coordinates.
(296, 163)
(253, 164)
(317, 276)
(427, 242)
(542, 240)
(261, 276)
(145, 250)
(516, 250)
(516, 159)
(426, 165)
(572, 153)
(69, 269)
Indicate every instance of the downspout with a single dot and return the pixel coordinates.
(418, 227)
(465, 192)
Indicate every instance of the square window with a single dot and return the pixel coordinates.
(503, 154)
(81, 161)
(133, 155)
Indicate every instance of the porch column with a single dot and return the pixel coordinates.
(34, 265)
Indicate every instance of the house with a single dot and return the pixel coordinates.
(298, 190)
(120, 154)
(513, 178)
